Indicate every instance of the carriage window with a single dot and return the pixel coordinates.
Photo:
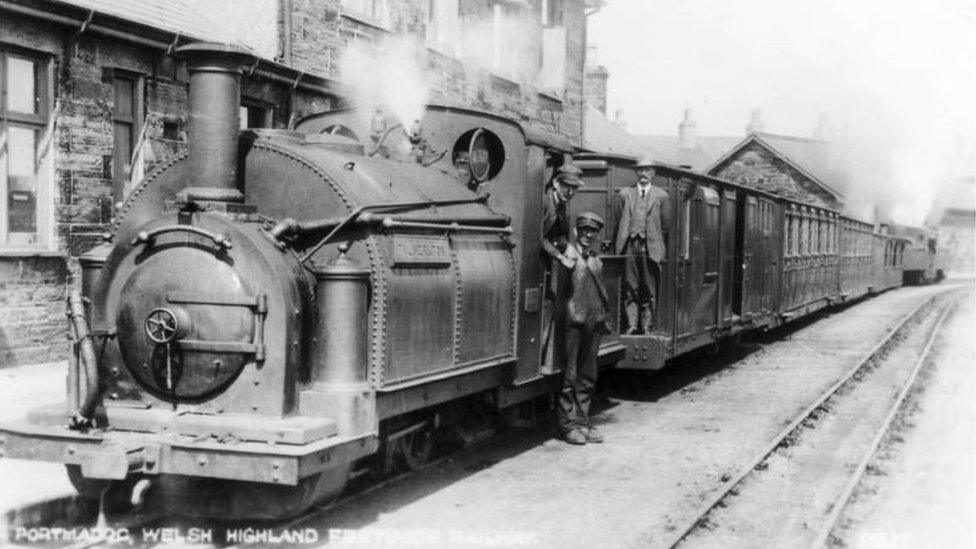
(815, 237)
(686, 231)
(788, 241)
(824, 239)
(791, 228)
(801, 237)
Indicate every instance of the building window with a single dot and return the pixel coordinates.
(444, 26)
(553, 46)
(256, 114)
(26, 169)
(374, 12)
(127, 123)
(552, 13)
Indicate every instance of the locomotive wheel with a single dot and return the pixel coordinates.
(415, 448)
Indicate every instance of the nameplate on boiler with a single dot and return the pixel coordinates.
(421, 251)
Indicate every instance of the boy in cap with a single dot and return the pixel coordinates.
(587, 309)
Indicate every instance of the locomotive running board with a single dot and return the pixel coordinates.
(114, 454)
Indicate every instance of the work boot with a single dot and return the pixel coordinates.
(592, 435)
(632, 325)
(574, 436)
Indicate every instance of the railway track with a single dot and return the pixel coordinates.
(372, 494)
(806, 517)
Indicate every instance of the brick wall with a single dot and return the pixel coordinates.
(756, 167)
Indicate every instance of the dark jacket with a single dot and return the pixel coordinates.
(651, 226)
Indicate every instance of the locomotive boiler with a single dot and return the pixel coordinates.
(275, 306)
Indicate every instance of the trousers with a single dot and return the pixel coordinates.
(579, 375)
(640, 273)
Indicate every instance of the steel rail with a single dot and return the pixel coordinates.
(841, 502)
(683, 531)
(341, 501)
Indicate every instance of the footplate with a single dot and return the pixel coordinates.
(114, 455)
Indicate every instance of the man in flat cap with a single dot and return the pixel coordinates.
(555, 225)
(587, 308)
(644, 217)
(556, 235)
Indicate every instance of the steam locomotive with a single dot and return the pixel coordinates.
(279, 308)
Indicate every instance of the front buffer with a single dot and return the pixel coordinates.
(287, 464)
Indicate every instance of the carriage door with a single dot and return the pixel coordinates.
(753, 260)
(727, 258)
(696, 267)
(771, 227)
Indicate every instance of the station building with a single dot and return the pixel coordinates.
(795, 167)
(94, 98)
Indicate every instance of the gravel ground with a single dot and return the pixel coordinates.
(668, 448)
(785, 502)
(665, 452)
(26, 482)
(920, 490)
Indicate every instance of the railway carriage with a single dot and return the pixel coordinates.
(924, 263)
(737, 258)
(279, 311)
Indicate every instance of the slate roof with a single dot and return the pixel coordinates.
(706, 151)
(601, 135)
(177, 16)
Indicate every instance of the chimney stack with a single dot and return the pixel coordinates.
(596, 87)
(756, 123)
(215, 99)
(687, 131)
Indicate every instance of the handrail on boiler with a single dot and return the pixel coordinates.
(291, 226)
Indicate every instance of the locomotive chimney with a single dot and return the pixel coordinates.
(215, 98)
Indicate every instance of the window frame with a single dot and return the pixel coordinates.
(40, 122)
(121, 177)
(383, 21)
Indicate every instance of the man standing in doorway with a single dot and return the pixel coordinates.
(555, 225)
(587, 308)
(644, 218)
(556, 236)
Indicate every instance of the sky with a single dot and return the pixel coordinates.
(895, 78)
(794, 60)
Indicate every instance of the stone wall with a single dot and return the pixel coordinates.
(33, 287)
(320, 33)
(756, 167)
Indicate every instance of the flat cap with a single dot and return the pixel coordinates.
(589, 219)
(568, 174)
